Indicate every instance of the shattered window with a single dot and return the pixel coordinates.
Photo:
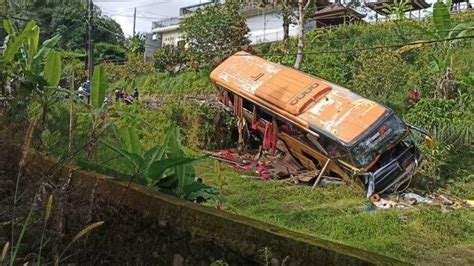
(333, 148)
(378, 141)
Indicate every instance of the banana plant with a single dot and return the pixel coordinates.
(35, 70)
(448, 35)
(397, 9)
(97, 110)
(443, 31)
(164, 167)
(444, 28)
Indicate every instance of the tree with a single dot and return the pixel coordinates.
(66, 18)
(287, 13)
(136, 44)
(215, 33)
(303, 6)
(106, 29)
(170, 58)
(287, 10)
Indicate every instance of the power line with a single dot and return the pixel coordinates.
(365, 49)
(145, 17)
(358, 39)
(140, 12)
(152, 4)
(347, 50)
(155, 14)
(104, 28)
(131, 8)
(340, 51)
(346, 40)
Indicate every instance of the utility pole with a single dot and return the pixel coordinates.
(90, 43)
(134, 20)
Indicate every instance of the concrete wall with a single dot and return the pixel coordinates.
(171, 37)
(158, 229)
(152, 43)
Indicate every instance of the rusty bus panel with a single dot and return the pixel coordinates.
(363, 139)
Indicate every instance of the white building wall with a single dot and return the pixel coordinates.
(171, 37)
(267, 27)
(263, 28)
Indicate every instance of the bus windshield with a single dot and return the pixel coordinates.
(378, 140)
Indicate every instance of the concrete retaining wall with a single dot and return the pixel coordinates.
(191, 234)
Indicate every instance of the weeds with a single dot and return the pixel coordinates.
(84, 232)
(49, 208)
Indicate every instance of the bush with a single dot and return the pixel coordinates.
(382, 76)
(186, 83)
(105, 52)
(130, 75)
(215, 33)
(207, 127)
(452, 124)
(170, 58)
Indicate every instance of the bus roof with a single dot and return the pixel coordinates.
(306, 100)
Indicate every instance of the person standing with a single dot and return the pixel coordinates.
(87, 89)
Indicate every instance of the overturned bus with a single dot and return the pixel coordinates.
(324, 126)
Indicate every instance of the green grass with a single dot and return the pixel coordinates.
(339, 214)
(186, 83)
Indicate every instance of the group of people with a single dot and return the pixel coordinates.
(122, 96)
(84, 90)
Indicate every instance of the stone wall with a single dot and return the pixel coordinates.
(151, 228)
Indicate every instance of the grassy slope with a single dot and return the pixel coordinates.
(423, 234)
(338, 213)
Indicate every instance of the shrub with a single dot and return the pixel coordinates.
(215, 33)
(105, 52)
(134, 67)
(207, 127)
(382, 76)
(170, 58)
(452, 124)
(186, 83)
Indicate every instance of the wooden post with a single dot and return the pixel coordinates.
(321, 173)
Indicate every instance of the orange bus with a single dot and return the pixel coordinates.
(323, 125)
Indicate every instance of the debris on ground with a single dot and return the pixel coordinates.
(280, 165)
(267, 165)
(244, 163)
(415, 197)
(444, 200)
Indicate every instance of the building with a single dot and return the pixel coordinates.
(264, 23)
(152, 43)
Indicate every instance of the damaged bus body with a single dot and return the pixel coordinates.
(324, 126)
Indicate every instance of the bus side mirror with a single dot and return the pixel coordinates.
(430, 142)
